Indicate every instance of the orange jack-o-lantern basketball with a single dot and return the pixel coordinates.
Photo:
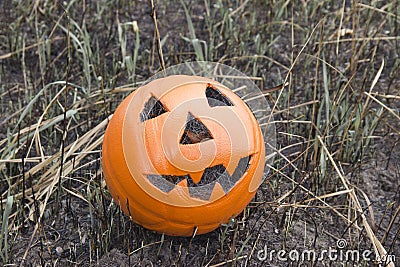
(183, 153)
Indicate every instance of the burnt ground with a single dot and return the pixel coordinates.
(66, 239)
(81, 226)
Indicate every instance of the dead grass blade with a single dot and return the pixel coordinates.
(377, 245)
(391, 111)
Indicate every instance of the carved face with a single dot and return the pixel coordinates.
(183, 152)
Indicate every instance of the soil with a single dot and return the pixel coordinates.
(77, 232)
(67, 239)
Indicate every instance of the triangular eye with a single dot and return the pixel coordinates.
(195, 131)
(216, 98)
(153, 108)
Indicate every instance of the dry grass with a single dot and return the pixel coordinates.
(330, 71)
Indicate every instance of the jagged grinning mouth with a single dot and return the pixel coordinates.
(204, 188)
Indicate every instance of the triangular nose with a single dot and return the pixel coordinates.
(195, 131)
